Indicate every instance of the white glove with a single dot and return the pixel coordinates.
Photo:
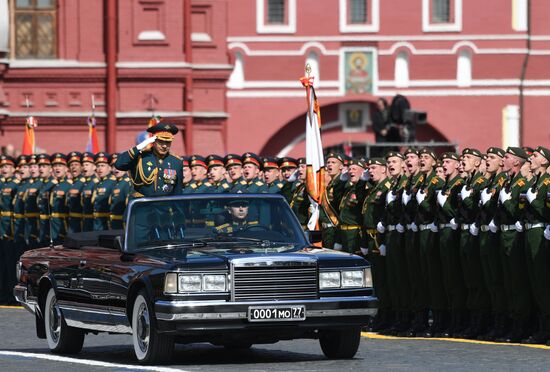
(382, 250)
(406, 197)
(146, 143)
(390, 197)
(365, 176)
(400, 228)
(547, 232)
(531, 195)
(441, 198)
(465, 192)
(380, 228)
(453, 224)
(414, 227)
(364, 251)
(474, 230)
(293, 176)
(337, 246)
(420, 196)
(504, 196)
(433, 227)
(344, 176)
(519, 226)
(493, 227)
(485, 196)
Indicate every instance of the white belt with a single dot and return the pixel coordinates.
(465, 226)
(424, 227)
(445, 225)
(484, 228)
(529, 226)
(326, 225)
(390, 228)
(508, 227)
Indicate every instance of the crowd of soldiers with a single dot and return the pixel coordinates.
(462, 240)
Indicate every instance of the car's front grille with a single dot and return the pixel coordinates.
(267, 283)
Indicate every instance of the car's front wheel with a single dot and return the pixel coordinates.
(61, 338)
(149, 345)
(340, 344)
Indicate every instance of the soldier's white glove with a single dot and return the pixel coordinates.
(406, 197)
(414, 227)
(531, 195)
(433, 227)
(441, 198)
(390, 197)
(146, 143)
(293, 176)
(337, 246)
(364, 251)
(400, 228)
(504, 196)
(547, 232)
(519, 226)
(493, 227)
(465, 192)
(474, 230)
(380, 227)
(382, 250)
(485, 196)
(344, 176)
(365, 176)
(453, 224)
(420, 196)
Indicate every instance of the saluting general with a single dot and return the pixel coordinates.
(153, 170)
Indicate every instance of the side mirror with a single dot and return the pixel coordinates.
(117, 242)
(314, 236)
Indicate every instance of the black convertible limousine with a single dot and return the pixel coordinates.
(233, 270)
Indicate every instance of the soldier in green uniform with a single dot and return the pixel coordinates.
(90, 180)
(349, 217)
(537, 250)
(334, 190)
(514, 266)
(19, 221)
(119, 198)
(398, 278)
(477, 300)
(272, 175)
(234, 167)
(419, 292)
(430, 260)
(32, 213)
(153, 170)
(373, 244)
(43, 199)
(199, 176)
(489, 240)
(186, 171)
(299, 202)
(449, 236)
(239, 218)
(288, 167)
(59, 211)
(102, 192)
(251, 174)
(216, 174)
(74, 197)
(9, 185)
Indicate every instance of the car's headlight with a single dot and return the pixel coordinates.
(171, 283)
(213, 283)
(190, 283)
(329, 279)
(352, 278)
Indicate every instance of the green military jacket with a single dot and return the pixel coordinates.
(231, 227)
(100, 199)
(32, 212)
(394, 209)
(74, 204)
(373, 209)
(351, 204)
(150, 175)
(300, 203)
(118, 201)
(275, 187)
(331, 205)
(488, 209)
(468, 207)
(45, 208)
(220, 187)
(537, 211)
(414, 183)
(239, 185)
(8, 192)
(87, 204)
(256, 186)
(59, 209)
(509, 211)
(198, 187)
(426, 210)
(449, 210)
(19, 220)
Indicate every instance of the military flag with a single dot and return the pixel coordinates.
(28, 137)
(93, 144)
(315, 174)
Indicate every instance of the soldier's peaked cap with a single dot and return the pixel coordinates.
(164, 131)
(270, 163)
(22, 160)
(232, 159)
(377, 161)
(198, 161)
(287, 162)
(251, 158)
(517, 151)
(496, 151)
(87, 157)
(214, 160)
(101, 157)
(58, 158)
(359, 162)
(544, 152)
(474, 152)
(429, 152)
(43, 159)
(334, 155)
(450, 155)
(74, 156)
(392, 154)
(6, 159)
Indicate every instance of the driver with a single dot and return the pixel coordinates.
(239, 218)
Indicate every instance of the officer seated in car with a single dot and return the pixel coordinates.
(238, 216)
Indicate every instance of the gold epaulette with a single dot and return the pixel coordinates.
(193, 185)
(221, 227)
(208, 184)
(82, 179)
(225, 185)
(16, 181)
(55, 182)
(112, 178)
(280, 185)
(387, 184)
(96, 180)
(243, 182)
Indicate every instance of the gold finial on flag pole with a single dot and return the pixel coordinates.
(308, 69)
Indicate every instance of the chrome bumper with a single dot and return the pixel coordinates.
(20, 294)
(328, 307)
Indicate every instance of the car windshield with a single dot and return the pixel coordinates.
(196, 222)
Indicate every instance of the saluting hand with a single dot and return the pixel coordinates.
(146, 143)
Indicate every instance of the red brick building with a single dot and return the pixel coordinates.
(226, 71)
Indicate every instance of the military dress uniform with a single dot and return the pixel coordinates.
(102, 195)
(8, 190)
(276, 186)
(74, 197)
(19, 221)
(198, 187)
(288, 186)
(221, 186)
(86, 193)
(59, 210)
(118, 199)
(255, 185)
(328, 214)
(32, 212)
(151, 175)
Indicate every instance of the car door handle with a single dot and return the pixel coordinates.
(82, 263)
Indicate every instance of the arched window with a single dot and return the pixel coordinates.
(402, 70)
(236, 80)
(464, 69)
(313, 60)
(35, 29)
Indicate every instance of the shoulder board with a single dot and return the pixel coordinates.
(280, 185)
(193, 185)
(259, 183)
(70, 182)
(253, 222)
(208, 184)
(16, 181)
(222, 226)
(82, 179)
(96, 180)
(547, 182)
(404, 183)
(113, 178)
(421, 179)
(520, 183)
(225, 185)
(176, 156)
(434, 181)
(55, 182)
(243, 182)
(501, 181)
(387, 184)
(480, 180)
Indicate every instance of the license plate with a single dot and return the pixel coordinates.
(276, 313)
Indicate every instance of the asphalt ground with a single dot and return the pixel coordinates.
(21, 350)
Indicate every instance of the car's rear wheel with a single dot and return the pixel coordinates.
(61, 338)
(149, 345)
(340, 344)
